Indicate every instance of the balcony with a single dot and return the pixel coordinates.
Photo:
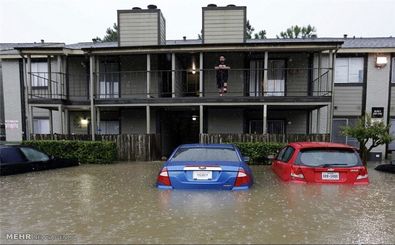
(243, 84)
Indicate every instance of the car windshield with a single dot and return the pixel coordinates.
(205, 154)
(328, 157)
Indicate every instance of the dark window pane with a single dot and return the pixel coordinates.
(11, 155)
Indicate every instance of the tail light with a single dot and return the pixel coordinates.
(363, 174)
(242, 178)
(163, 177)
(297, 173)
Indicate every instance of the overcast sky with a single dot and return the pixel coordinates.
(73, 21)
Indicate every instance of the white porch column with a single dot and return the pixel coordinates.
(49, 76)
(50, 121)
(61, 119)
(30, 121)
(201, 74)
(332, 88)
(201, 119)
(148, 75)
(98, 119)
(91, 95)
(318, 127)
(66, 121)
(265, 77)
(148, 119)
(173, 75)
(59, 78)
(264, 119)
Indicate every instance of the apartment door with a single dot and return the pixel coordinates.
(275, 126)
(109, 77)
(276, 78)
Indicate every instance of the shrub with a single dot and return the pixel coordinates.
(84, 151)
(259, 151)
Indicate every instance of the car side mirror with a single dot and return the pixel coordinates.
(164, 159)
(246, 159)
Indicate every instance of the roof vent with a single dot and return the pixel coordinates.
(42, 40)
(184, 38)
(152, 6)
(231, 5)
(313, 36)
(136, 8)
(345, 35)
(211, 5)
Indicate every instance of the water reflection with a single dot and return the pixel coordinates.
(119, 204)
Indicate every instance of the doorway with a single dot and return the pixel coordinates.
(178, 126)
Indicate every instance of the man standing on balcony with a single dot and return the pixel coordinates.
(222, 76)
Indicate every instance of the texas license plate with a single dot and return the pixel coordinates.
(330, 176)
(202, 175)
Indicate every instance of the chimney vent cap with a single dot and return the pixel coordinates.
(345, 35)
(231, 5)
(136, 8)
(212, 5)
(152, 6)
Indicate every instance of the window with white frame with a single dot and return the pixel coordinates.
(39, 74)
(41, 125)
(349, 70)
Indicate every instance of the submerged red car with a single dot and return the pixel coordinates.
(320, 162)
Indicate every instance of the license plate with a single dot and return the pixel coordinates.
(330, 176)
(202, 175)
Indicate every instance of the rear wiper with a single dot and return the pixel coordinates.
(333, 164)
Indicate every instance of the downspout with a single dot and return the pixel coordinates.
(26, 112)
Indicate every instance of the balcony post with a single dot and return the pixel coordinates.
(59, 78)
(50, 122)
(264, 119)
(265, 68)
(201, 74)
(332, 87)
(319, 73)
(91, 95)
(49, 76)
(98, 120)
(148, 75)
(173, 75)
(201, 114)
(61, 119)
(148, 119)
(318, 129)
(66, 121)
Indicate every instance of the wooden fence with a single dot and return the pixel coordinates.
(147, 147)
(282, 138)
(130, 147)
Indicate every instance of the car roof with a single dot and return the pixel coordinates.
(303, 145)
(227, 146)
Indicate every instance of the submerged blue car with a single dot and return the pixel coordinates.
(206, 166)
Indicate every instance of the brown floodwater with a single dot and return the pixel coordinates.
(119, 204)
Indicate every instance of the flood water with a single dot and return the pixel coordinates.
(119, 204)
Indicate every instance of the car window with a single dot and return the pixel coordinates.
(285, 154)
(34, 155)
(205, 154)
(11, 155)
(328, 157)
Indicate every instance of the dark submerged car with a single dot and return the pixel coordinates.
(16, 159)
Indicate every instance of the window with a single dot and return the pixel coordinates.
(205, 154)
(273, 127)
(109, 80)
(338, 137)
(276, 78)
(285, 154)
(328, 156)
(11, 155)
(41, 126)
(109, 127)
(34, 155)
(349, 70)
(39, 74)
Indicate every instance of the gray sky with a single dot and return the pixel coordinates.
(73, 21)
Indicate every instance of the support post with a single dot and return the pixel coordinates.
(30, 119)
(59, 78)
(201, 74)
(264, 119)
(201, 120)
(318, 129)
(98, 119)
(66, 121)
(61, 119)
(26, 99)
(148, 75)
(319, 73)
(148, 119)
(265, 69)
(91, 95)
(49, 76)
(173, 75)
(50, 122)
(332, 86)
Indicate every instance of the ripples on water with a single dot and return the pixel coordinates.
(119, 204)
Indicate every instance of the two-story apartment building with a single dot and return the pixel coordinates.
(145, 84)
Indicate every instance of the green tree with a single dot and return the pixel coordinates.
(260, 35)
(111, 34)
(298, 32)
(369, 134)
